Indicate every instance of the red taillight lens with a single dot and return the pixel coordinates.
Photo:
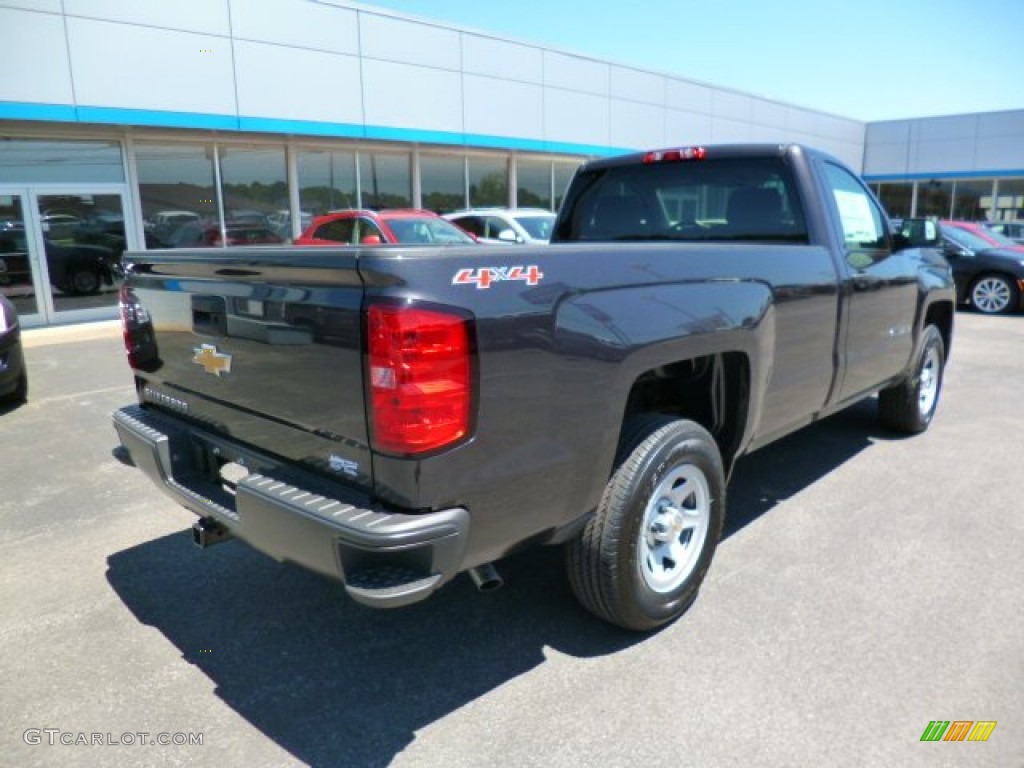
(136, 329)
(675, 155)
(420, 378)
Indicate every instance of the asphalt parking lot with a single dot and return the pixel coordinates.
(867, 586)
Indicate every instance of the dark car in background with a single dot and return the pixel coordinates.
(75, 269)
(198, 234)
(13, 374)
(987, 267)
(1011, 229)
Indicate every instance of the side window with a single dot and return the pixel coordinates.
(863, 228)
(495, 227)
(368, 229)
(472, 224)
(339, 230)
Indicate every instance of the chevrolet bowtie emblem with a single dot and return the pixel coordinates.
(212, 361)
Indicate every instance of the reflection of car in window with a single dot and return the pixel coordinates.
(409, 226)
(208, 235)
(74, 269)
(506, 225)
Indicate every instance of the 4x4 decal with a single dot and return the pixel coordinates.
(484, 277)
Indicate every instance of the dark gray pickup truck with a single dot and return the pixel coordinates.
(392, 416)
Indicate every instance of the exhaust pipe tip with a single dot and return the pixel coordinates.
(206, 531)
(486, 577)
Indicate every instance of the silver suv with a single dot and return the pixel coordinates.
(505, 225)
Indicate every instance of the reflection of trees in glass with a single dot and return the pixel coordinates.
(442, 202)
(491, 191)
(527, 199)
(268, 197)
(322, 199)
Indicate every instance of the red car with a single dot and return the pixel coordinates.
(994, 239)
(407, 226)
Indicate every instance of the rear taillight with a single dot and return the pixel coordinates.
(420, 378)
(136, 329)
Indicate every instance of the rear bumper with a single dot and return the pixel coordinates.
(12, 362)
(385, 558)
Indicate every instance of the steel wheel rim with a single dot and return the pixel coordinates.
(928, 389)
(85, 282)
(674, 528)
(991, 295)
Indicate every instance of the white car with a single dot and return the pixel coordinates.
(505, 225)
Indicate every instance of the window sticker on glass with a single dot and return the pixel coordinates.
(855, 212)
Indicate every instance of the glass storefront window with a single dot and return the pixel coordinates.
(563, 175)
(176, 187)
(488, 181)
(327, 182)
(896, 198)
(934, 198)
(255, 187)
(533, 183)
(442, 183)
(1010, 199)
(32, 161)
(83, 237)
(385, 179)
(972, 200)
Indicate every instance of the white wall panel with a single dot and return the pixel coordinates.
(640, 126)
(405, 96)
(51, 6)
(503, 108)
(684, 128)
(205, 16)
(153, 69)
(768, 113)
(1002, 124)
(732, 106)
(1000, 153)
(888, 132)
(886, 158)
(691, 97)
(409, 42)
(575, 73)
(941, 128)
(949, 155)
(575, 117)
(728, 131)
(299, 24)
(287, 83)
(32, 45)
(497, 58)
(634, 85)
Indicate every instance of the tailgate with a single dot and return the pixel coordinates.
(260, 345)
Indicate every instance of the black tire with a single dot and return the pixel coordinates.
(995, 295)
(910, 405)
(639, 561)
(84, 282)
(20, 392)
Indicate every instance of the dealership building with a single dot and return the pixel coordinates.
(118, 117)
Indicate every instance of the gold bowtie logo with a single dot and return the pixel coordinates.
(212, 361)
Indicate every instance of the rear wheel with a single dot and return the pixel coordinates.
(994, 295)
(910, 405)
(643, 555)
(84, 282)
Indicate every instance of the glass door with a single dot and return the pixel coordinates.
(19, 260)
(83, 236)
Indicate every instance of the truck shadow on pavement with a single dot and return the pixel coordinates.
(334, 683)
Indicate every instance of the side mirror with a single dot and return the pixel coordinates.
(371, 240)
(508, 236)
(955, 251)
